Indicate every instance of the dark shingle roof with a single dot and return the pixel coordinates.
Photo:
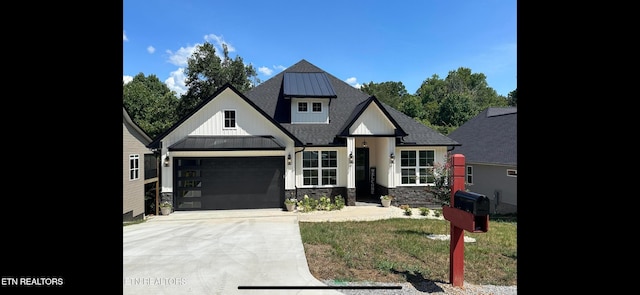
(490, 137)
(269, 96)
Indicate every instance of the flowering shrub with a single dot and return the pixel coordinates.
(165, 204)
(339, 202)
(290, 201)
(324, 203)
(307, 204)
(441, 189)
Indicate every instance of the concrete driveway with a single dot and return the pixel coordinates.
(217, 252)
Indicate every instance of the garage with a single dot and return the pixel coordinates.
(229, 183)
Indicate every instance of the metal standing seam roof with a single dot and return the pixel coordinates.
(226, 143)
(307, 85)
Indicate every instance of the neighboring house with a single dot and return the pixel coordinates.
(302, 132)
(489, 145)
(139, 172)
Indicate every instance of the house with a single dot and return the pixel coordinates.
(302, 132)
(139, 172)
(489, 144)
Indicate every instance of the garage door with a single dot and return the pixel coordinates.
(229, 183)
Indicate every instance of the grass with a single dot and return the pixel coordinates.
(398, 250)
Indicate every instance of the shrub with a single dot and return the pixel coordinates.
(339, 201)
(407, 210)
(324, 203)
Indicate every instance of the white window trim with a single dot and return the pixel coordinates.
(313, 102)
(224, 119)
(319, 169)
(136, 159)
(303, 102)
(514, 170)
(416, 168)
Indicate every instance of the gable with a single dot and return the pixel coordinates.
(372, 122)
(208, 120)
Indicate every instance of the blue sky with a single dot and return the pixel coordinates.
(356, 41)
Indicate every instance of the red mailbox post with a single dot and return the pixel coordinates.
(461, 220)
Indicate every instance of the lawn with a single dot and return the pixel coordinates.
(398, 250)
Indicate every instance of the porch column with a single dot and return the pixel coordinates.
(351, 171)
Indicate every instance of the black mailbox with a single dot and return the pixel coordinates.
(473, 203)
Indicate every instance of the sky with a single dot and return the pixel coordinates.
(356, 41)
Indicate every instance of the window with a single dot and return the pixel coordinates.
(512, 172)
(302, 107)
(317, 107)
(229, 119)
(319, 167)
(470, 174)
(417, 167)
(134, 167)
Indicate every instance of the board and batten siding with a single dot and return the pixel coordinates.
(209, 121)
(132, 190)
(372, 121)
(310, 117)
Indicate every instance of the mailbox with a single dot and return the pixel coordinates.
(474, 203)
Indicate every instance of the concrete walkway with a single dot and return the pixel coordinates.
(255, 251)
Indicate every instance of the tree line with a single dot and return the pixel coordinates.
(442, 104)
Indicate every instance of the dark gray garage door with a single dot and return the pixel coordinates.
(229, 183)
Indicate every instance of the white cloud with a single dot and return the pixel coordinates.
(151, 49)
(127, 79)
(124, 36)
(353, 82)
(180, 57)
(176, 82)
(268, 72)
(265, 71)
(219, 40)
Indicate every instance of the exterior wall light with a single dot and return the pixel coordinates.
(167, 160)
(364, 144)
(392, 158)
(289, 159)
(351, 157)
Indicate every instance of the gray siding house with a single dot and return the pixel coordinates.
(138, 169)
(302, 132)
(489, 144)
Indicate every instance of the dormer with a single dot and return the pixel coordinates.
(310, 94)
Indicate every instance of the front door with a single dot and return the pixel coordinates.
(363, 186)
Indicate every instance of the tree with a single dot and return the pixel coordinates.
(512, 98)
(431, 93)
(460, 96)
(206, 73)
(390, 93)
(455, 109)
(150, 103)
(412, 107)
